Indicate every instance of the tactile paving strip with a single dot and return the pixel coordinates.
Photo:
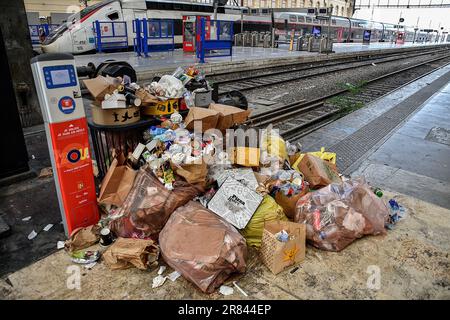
(356, 145)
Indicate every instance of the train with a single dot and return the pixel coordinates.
(77, 36)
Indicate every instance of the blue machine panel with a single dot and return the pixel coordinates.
(60, 76)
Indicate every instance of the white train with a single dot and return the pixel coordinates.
(77, 34)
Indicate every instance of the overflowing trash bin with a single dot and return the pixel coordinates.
(199, 188)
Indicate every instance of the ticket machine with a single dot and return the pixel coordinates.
(67, 136)
(190, 34)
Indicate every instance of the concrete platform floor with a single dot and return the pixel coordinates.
(416, 159)
(412, 261)
(167, 60)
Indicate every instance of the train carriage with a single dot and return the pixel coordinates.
(77, 34)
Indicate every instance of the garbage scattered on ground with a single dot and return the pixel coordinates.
(106, 237)
(338, 214)
(26, 218)
(47, 227)
(158, 281)
(125, 253)
(60, 245)
(240, 289)
(173, 276)
(396, 212)
(83, 238)
(85, 256)
(161, 270)
(32, 235)
(198, 195)
(226, 290)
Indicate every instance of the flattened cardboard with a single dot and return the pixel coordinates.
(229, 115)
(208, 118)
(246, 176)
(116, 185)
(235, 203)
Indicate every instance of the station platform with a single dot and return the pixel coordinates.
(410, 163)
(242, 58)
(400, 142)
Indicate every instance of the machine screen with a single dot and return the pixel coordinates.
(60, 77)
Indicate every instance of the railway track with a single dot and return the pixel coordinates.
(300, 118)
(302, 72)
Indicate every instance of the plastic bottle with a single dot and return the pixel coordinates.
(378, 192)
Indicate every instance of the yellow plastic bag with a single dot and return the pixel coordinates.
(327, 156)
(274, 145)
(268, 210)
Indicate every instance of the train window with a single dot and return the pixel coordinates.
(113, 16)
(245, 11)
(308, 19)
(333, 22)
(292, 18)
(265, 11)
(300, 19)
(254, 11)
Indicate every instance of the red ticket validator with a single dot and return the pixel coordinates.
(74, 175)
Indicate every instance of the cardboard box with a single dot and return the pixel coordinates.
(115, 117)
(116, 185)
(244, 156)
(278, 255)
(245, 176)
(235, 203)
(100, 86)
(229, 115)
(162, 107)
(319, 173)
(147, 99)
(207, 117)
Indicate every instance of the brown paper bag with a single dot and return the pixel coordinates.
(319, 173)
(116, 185)
(207, 117)
(277, 255)
(192, 173)
(229, 115)
(126, 253)
(83, 238)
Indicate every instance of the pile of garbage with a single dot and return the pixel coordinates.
(196, 198)
(118, 101)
